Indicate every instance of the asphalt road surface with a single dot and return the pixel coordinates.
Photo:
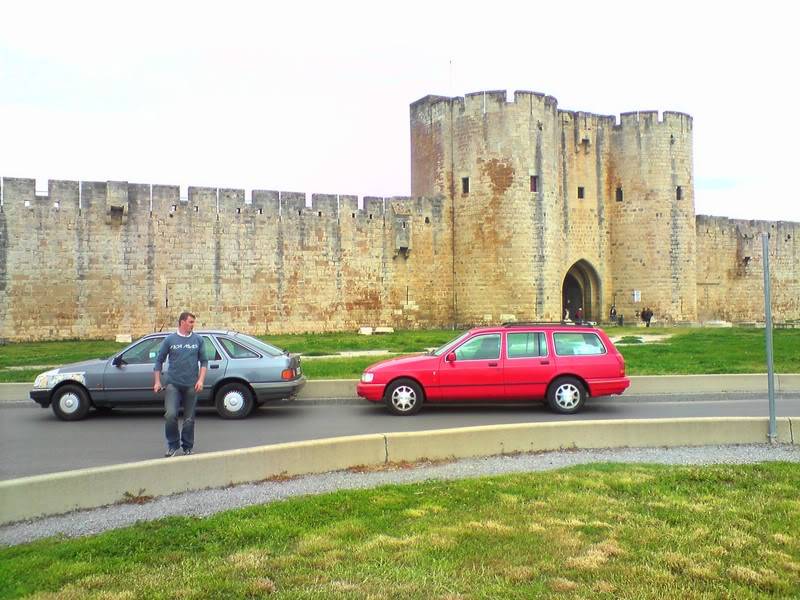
(33, 441)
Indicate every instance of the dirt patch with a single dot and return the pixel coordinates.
(644, 338)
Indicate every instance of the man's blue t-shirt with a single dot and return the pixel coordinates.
(184, 353)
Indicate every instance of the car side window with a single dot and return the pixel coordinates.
(578, 344)
(211, 350)
(524, 345)
(481, 347)
(235, 350)
(143, 353)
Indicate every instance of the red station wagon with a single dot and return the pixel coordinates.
(516, 362)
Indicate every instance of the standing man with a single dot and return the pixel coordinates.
(187, 370)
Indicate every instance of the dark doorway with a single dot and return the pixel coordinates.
(580, 290)
(572, 295)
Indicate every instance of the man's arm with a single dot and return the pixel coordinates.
(162, 356)
(198, 387)
(203, 360)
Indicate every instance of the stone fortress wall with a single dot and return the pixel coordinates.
(730, 269)
(556, 203)
(96, 259)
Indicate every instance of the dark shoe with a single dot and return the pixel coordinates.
(170, 452)
(187, 451)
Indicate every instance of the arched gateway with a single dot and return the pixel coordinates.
(581, 289)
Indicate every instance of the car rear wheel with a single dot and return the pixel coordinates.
(404, 397)
(234, 401)
(566, 395)
(70, 403)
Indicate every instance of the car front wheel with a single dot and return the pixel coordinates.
(234, 401)
(70, 403)
(404, 397)
(566, 395)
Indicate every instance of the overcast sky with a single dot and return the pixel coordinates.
(314, 97)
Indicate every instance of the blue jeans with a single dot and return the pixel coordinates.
(175, 397)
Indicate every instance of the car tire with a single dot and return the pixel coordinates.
(566, 395)
(70, 402)
(404, 397)
(234, 401)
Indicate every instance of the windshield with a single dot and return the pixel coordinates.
(263, 346)
(441, 349)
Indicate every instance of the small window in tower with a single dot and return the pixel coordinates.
(534, 183)
(678, 193)
(580, 192)
(619, 194)
(465, 185)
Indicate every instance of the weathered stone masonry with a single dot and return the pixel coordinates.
(97, 259)
(519, 210)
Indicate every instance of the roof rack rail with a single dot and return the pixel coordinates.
(534, 323)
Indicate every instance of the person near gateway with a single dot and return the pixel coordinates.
(187, 370)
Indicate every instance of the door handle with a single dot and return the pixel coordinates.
(544, 362)
(492, 364)
(213, 366)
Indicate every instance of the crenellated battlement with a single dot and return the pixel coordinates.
(650, 118)
(493, 101)
(712, 225)
(86, 197)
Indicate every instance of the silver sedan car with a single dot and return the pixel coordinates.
(243, 372)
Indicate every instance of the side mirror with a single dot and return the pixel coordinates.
(118, 362)
(451, 357)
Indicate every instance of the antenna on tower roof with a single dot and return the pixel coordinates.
(452, 91)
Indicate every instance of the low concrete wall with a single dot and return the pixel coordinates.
(705, 384)
(537, 437)
(41, 495)
(320, 389)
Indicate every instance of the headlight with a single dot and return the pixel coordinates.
(367, 377)
(41, 380)
(49, 379)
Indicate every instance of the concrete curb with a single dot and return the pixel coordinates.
(320, 389)
(43, 495)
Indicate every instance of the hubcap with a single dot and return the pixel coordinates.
(567, 396)
(69, 403)
(233, 401)
(404, 398)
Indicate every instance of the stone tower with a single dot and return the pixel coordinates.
(653, 232)
(556, 210)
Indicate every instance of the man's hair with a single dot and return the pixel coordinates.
(185, 315)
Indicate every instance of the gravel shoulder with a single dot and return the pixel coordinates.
(208, 502)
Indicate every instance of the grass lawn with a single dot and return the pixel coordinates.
(686, 351)
(593, 531)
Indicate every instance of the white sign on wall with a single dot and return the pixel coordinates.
(637, 295)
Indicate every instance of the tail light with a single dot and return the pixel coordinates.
(287, 374)
(621, 361)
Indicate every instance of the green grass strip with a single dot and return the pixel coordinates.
(599, 531)
(686, 351)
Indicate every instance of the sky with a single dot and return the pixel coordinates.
(314, 97)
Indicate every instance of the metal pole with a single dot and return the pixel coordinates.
(773, 436)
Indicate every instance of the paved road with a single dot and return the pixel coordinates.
(33, 441)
